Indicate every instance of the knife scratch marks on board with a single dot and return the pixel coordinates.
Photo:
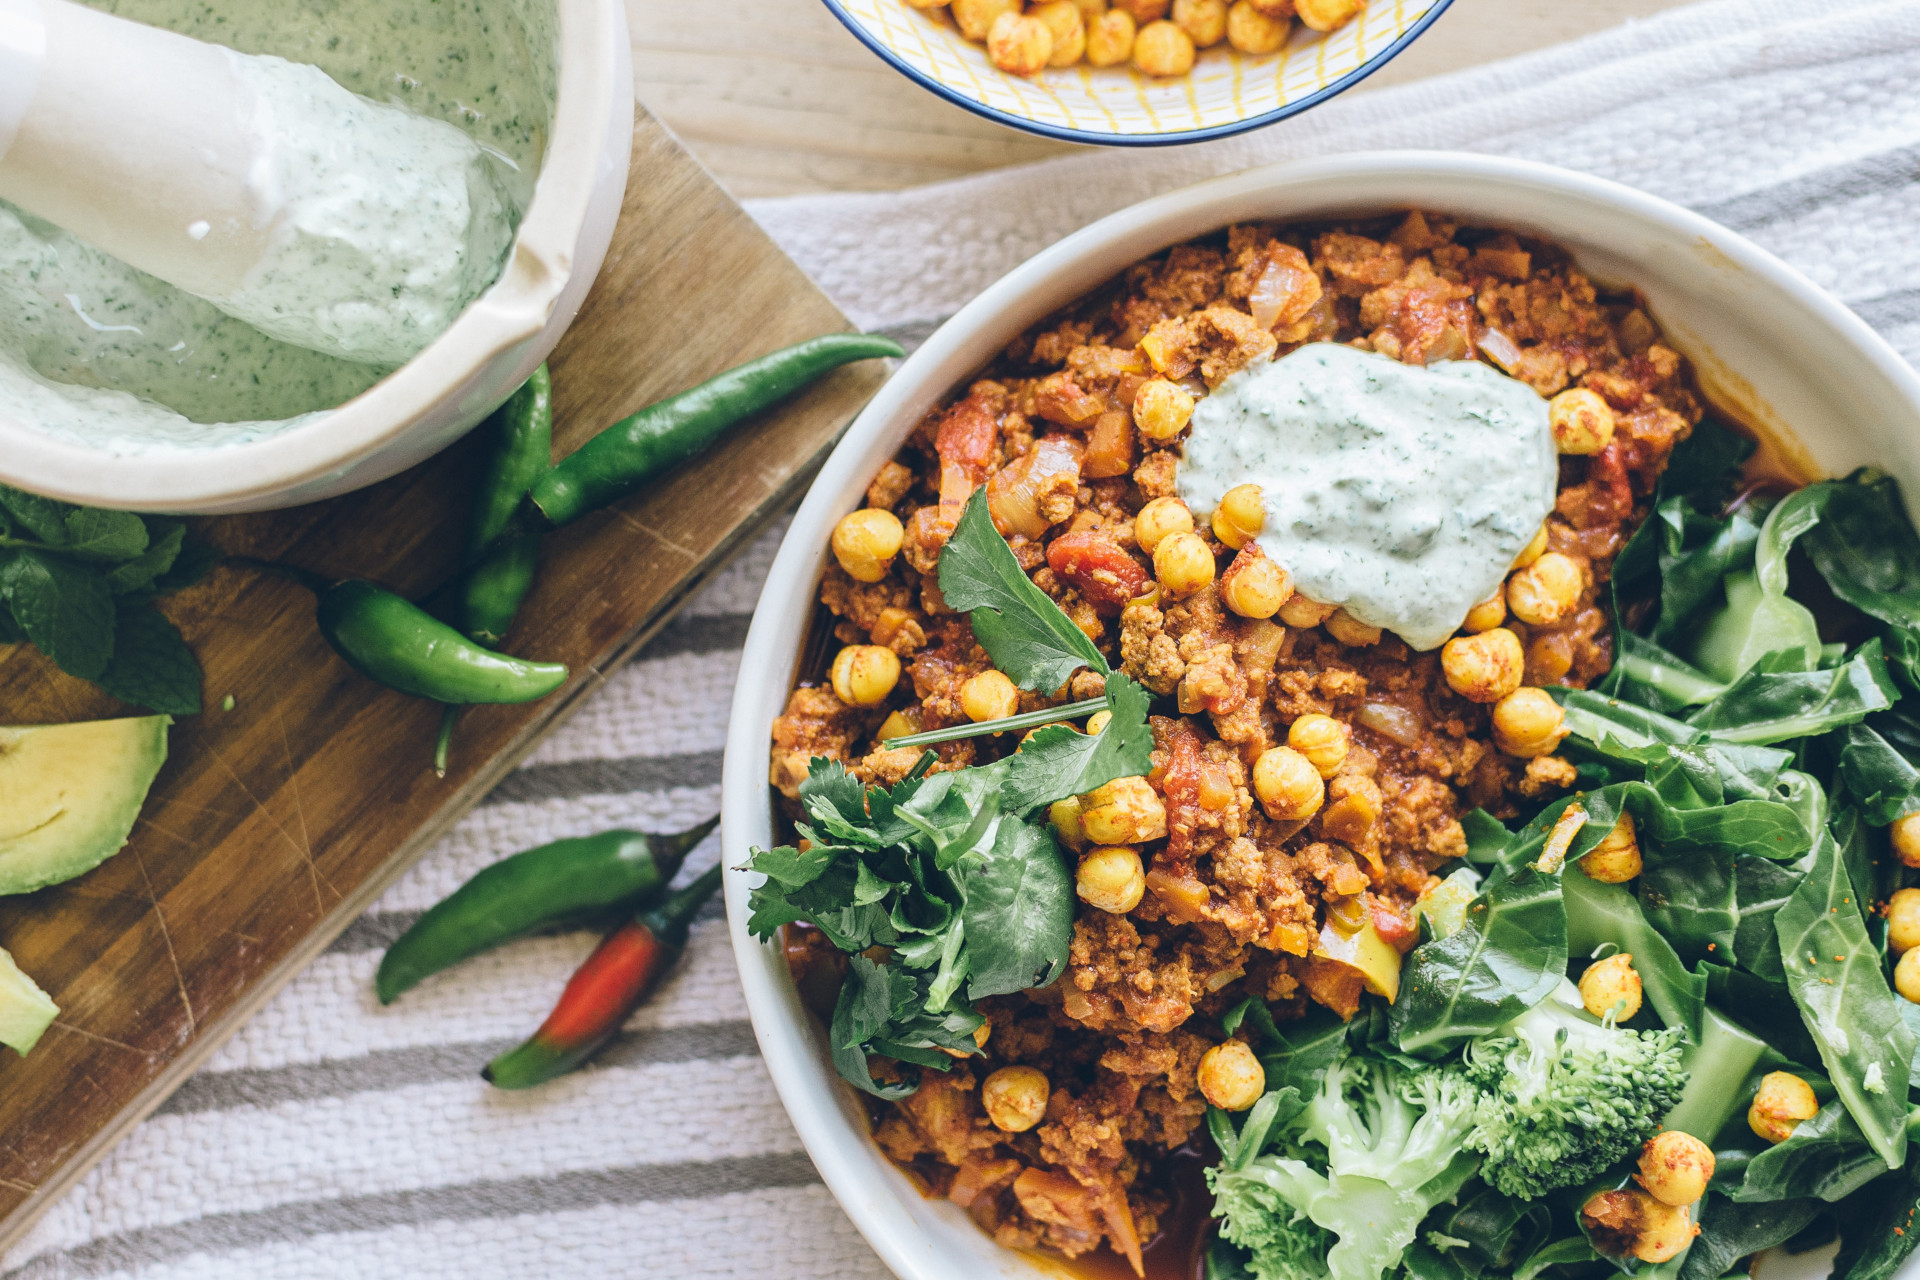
(263, 811)
(300, 813)
(666, 540)
(84, 1034)
(166, 936)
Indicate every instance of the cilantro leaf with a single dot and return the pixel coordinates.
(152, 666)
(1019, 913)
(882, 1009)
(1058, 762)
(65, 608)
(1026, 634)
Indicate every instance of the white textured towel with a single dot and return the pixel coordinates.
(334, 1138)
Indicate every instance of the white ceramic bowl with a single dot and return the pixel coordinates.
(1762, 336)
(441, 393)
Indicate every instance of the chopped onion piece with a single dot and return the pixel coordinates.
(1500, 349)
(1390, 721)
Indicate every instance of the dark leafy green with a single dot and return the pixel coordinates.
(1730, 1232)
(1510, 954)
(1881, 1232)
(78, 584)
(1880, 769)
(886, 1010)
(1834, 973)
(1827, 1158)
(1765, 706)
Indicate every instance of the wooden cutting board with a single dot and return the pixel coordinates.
(275, 824)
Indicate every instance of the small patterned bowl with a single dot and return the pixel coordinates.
(1227, 92)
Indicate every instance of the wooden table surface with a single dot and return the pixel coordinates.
(777, 98)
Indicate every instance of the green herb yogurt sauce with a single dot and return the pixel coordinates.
(1402, 494)
(98, 353)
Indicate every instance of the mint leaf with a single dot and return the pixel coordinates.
(44, 518)
(163, 547)
(104, 535)
(10, 631)
(195, 561)
(152, 666)
(65, 608)
(1021, 628)
(1057, 761)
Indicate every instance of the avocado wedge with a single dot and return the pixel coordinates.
(69, 795)
(25, 1010)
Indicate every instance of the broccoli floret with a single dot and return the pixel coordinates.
(1563, 1096)
(1374, 1150)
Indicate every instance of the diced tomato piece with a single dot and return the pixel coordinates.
(1099, 569)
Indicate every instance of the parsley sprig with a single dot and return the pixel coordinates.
(79, 584)
(956, 874)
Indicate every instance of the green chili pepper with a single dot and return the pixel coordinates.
(490, 591)
(633, 450)
(400, 645)
(563, 882)
(622, 971)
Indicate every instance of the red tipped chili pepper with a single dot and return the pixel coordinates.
(622, 971)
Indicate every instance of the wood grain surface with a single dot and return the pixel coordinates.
(274, 824)
(777, 98)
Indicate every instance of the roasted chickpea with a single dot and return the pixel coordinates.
(1124, 811)
(1068, 28)
(1231, 1078)
(1906, 975)
(989, 696)
(1547, 591)
(1158, 519)
(1488, 614)
(1143, 11)
(1254, 586)
(928, 4)
(1253, 32)
(1065, 817)
(1322, 740)
(1098, 721)
(1299, 611)
(1784, 1100)
(1611, 987)
(1903, 920)
(1019, 45)
(1162, 409)
(1616, 859)
(1111, 879)
(1015, 1098)
(1162, 49)
(1582, 421)
(1347, 629)
(1675, 1167)
(1629, 1221)
(1183, 564)
(1905, 835)
(1090, 9)
(1325, 15)
(1287, 785)
(976, 17)
(1533, 550)
(1241, 515)
(864, 674)
(1110, 43)
(1486, 667)
(1274, 8)
(1528, 723)
(865, 543)
(1204, 21)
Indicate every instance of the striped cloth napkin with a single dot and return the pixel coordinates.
(335, 1138)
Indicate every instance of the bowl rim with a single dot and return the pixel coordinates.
(821, 1108)
(590, 35)
(1175, 138)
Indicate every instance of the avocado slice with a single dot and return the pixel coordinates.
(25, 1010)
(69, 795)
